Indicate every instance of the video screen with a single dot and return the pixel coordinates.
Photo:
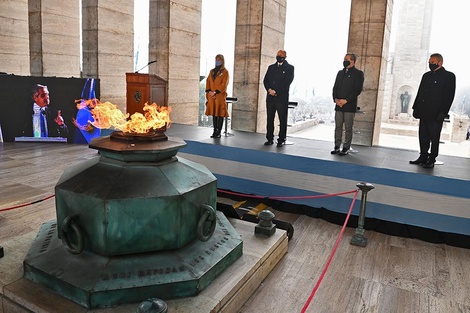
(46, 109)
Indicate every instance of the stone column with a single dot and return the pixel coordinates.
(259, 34)
(54, 38)
(14, 39)
(175, 42)
(108, 46)
(369, 36)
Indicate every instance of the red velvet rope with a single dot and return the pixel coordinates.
(286, 198)
(335, 247)
(26, 204)
(220, 191)
(317, 285)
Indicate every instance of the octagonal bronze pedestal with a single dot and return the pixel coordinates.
(134, 222)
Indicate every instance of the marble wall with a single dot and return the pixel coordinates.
(175, 42)
(259, 34)
(54, 38)
(108, 46)
(14, 37)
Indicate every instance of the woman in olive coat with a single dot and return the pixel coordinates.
(216, 94)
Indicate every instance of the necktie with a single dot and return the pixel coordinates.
(44, 132)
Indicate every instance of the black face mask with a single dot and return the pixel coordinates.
(280, 59)
(346, 63)
(433, 67)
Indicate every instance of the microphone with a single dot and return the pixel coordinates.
(146, 65)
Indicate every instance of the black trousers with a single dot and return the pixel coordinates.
(281, 108)
(429, 136)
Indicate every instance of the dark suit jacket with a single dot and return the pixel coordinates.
(348, 85)
(54, 130)
(279, 79)
(435, 95)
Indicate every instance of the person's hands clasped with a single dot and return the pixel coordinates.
(272, 92)
(340, 102)
(212, 94)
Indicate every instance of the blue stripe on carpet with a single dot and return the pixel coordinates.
(440, 222)
(412, 181)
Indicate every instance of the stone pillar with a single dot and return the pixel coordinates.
(14, 39)
(54, 38)
(259, 34)
(369, 35)
(175, 42)
(108, 46)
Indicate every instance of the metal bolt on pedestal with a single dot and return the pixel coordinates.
(152, 305)
(265, 225)
(358, 239)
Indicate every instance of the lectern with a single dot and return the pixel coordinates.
(144, 88)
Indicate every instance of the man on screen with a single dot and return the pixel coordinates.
(46, 121)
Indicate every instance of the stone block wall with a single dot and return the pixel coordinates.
(54, 38)
(368, 24)
(108, 46)
(14, 38)
(259, 34)
(175, 42)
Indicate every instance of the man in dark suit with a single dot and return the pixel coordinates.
(46, 121)
(277, 81)
(432, 104)
(347, 87)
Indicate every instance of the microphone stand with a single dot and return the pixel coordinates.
(146, 65)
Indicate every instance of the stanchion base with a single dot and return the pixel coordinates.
(360, 241)
(288, 143)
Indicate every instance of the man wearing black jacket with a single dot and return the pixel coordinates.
(277, 81)
(347, 87)
(432, 104)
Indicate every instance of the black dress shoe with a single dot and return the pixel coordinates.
(419, 161)
(280, 144)
(428, 164)
(344, 152)
(335, 151)
(268, 143)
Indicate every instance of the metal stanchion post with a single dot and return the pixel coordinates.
(291, 105)
(229, 100)
(358, 239)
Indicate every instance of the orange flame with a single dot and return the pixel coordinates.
(107, 115)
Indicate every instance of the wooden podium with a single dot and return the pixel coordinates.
(144, 88)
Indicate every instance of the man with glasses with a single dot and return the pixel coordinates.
(277, 81)
(46, 121)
